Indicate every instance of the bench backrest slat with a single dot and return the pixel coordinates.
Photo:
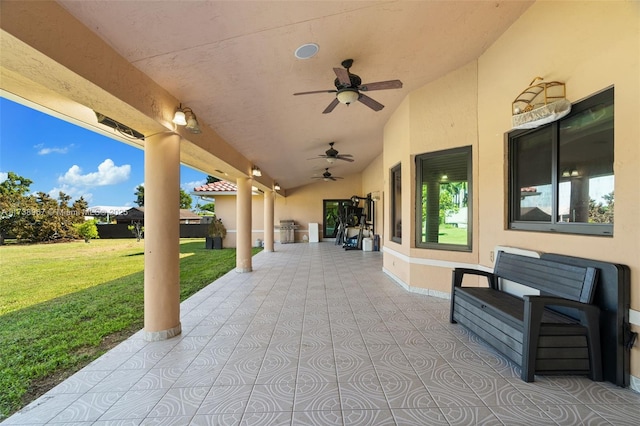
(551, 278)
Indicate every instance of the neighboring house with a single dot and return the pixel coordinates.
(104, 214)
(136, 214)
(223, 195)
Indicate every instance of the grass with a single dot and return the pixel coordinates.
(449, 234)
(63, 305)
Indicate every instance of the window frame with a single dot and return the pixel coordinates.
(396, 202)
(554, 226)
(418, 203)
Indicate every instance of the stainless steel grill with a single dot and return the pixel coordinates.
(287, 231)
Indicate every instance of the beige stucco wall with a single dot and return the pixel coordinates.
(373, 183)
(596, 46)
(226, 210)
(304, 204)
(438, 116)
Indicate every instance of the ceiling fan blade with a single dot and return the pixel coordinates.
(345, 155)
(331, 106)
(381, 85)
(374, 105)
(343, 76)
(344, 159)
(315, 91)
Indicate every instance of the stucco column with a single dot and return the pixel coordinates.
(162, 237)
(243, 223)
(269, 197)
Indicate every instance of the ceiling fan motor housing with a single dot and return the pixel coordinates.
(331, 152)
(355, 81)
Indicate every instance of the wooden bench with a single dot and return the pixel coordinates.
(528, 330)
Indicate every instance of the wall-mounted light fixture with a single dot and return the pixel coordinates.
(184, 116)
(276, 186)
(255, 171)
(570, 173)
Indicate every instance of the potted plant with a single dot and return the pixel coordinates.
(216, 233)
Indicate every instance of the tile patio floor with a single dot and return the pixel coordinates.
(319, 336)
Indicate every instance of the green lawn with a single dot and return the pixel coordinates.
(63, 305)
(449, 234)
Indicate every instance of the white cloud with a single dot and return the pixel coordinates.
(55, 150)
(45, 151)
(73, 192)
(3, 176)
(189, 186)
(108, 174)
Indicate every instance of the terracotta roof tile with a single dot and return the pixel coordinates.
(220, 186)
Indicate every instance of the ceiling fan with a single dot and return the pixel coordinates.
(331, 155)
(349, 87)
(327, 176)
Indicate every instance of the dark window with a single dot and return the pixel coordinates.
(396, 204)
(444, 199)
(561, 175)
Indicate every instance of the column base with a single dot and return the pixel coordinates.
(156, 336)
(243, 270)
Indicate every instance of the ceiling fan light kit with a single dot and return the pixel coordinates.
(347, 96)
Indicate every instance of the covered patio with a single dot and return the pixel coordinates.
(316, 335)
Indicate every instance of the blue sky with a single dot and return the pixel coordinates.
(59, 156)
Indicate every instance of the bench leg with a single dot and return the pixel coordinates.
(593, 335)
(455, 281)
(531, 334)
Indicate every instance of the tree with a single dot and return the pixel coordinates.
(37, 217)
(139, 196)
(599, 212)
(15, 203)
(87, 230)
(209, 207)
(185, 198)
(137, 230)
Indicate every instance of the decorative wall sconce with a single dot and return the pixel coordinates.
(541, 103)
(255, 171)
(185, 116)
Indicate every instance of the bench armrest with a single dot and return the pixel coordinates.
(539, 302)
(533, 310)
(458, 275)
